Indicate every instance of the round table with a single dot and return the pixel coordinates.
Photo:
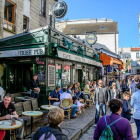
(32, 114)
(7, 125)
(46, 107)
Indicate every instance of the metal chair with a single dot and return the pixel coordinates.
(66, 106)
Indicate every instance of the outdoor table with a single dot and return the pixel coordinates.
(46, 107)
(7, 125)
(32, 114)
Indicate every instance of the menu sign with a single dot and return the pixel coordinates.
(41, 77)
(51, 75)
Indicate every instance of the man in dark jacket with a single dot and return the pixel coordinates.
(125, 110)
(101, 99)
(34, 87)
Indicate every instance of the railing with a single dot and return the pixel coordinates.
(8, 25)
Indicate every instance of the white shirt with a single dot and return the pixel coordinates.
(65, 96)
(1, 93)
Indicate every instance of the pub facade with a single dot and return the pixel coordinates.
(57, 59)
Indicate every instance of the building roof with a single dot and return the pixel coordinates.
(99, 46)
(135, 49)
(79, 29)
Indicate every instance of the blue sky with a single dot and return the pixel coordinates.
(125, 12)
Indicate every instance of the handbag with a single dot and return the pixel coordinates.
(35, 91)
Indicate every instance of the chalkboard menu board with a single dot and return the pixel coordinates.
(51, 75)
(41, 77)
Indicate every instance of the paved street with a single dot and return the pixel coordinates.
(82, 127)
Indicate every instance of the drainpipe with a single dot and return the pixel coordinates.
(115, 43)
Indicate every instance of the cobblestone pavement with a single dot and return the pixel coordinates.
(88, 135)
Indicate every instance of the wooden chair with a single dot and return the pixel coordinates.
(66, 106)
(35, 108)
(89, 101)
(19, 110)
(48, 99)
(27, 107)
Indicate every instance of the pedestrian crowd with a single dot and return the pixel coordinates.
(120, 97)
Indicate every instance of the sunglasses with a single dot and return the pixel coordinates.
(100, 83)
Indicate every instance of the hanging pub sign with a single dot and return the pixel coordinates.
(60, 9)
(91, 39)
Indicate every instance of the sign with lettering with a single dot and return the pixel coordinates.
(77, 58)
(60, 9)
(23, 52)
(91, 39)
(51, 75)
(41, 77)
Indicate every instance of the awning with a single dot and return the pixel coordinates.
(107, 60)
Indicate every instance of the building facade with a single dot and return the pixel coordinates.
(139, 29)
(135, 61)
(105, 30)
(16, 16)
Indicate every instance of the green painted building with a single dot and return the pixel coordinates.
(57, 59)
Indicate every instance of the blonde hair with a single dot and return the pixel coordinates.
(55, 116)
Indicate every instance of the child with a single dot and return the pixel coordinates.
(125, 110)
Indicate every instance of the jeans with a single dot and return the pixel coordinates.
(75, 108)
(98, 107)
(138, 126)
(35, 95)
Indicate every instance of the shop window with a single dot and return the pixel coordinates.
(25, 22)
(90, 74)
(9, 15)
(66, 74)
(43, 7)
(12, 78)
(138, 71)
(58, 74)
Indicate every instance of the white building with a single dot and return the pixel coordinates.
(135, 61)
(139, 29)
(105, 30)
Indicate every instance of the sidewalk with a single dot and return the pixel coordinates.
(82, 127)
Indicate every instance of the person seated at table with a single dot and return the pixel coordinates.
(55, 119)
(74, 86)
(1, 92)
(66, 95)
(55, 96)
(6, 109)
(69, 90)
(78, 98)
(78, 86)
(87, 90)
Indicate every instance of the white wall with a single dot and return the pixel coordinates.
(106, 39)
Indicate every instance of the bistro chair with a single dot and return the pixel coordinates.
(19, 110)
(27, 107)
(35, 108)
(89, 101)
(48, 98)
(13, 98)
(66, 106)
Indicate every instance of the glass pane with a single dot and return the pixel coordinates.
(66, 74)
(10, 14)
(24, 23)
(58, 74)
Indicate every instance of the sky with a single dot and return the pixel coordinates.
(125, 12)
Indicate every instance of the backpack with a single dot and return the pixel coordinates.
(107, 134)
(48, 133)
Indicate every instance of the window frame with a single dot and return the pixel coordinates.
(42, 8)
(137, 55)
(27, 22)
(13, 15)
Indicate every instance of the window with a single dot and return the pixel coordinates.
(43, 7)
(102, 27)
(9, 15)
(72, 28)
(137, 55)
(25, 22)
(138, 71)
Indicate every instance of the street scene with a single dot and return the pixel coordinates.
(69, 70)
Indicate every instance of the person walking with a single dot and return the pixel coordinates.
(133, 87)
(100, 99)
(114, 92)
(121, 128)
(135, 102)
(34, 86)
(124, 85)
